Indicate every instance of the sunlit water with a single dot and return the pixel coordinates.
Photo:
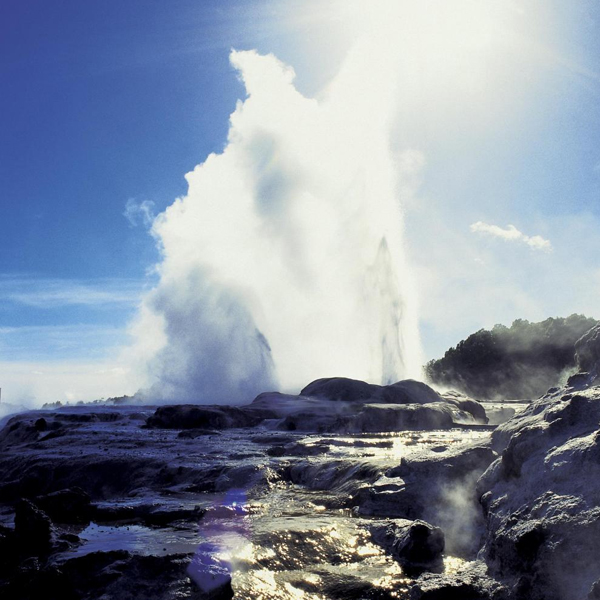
(278, 540)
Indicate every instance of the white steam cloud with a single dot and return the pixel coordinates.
(512, 234)
(285, 262)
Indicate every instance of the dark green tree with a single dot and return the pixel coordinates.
(520, 361)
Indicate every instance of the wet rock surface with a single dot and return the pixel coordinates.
(309, 498)
(541, 498)
(211, 502)
(438, 485)
(416, 545)
(470, 582)
(112, 574)
(334, 405)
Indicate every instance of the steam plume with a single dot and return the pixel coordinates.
(284, 262)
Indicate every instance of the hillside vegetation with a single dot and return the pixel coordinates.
(520, 361)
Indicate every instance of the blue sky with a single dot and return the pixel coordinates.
(109, 102)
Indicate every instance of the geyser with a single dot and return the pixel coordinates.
(285, 261)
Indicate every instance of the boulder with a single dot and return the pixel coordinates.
(408, 391)
(287, 412)
(414, 544)
(341, 389)
(333, 417)
(343, 476)
(41, 424)
(577, 382)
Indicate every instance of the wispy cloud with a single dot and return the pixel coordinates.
(139, 213)
(512, 234)
(55, 293)
(58, 342)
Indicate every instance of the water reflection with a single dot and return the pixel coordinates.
(279, 540)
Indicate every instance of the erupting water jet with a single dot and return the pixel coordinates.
(285, 261)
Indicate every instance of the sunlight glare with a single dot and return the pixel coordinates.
(436, 32)
(436, 47)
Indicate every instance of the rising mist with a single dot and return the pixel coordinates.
(285, 261)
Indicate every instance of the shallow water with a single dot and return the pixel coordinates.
(279, 540)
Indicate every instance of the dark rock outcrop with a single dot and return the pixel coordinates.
(66, 506)
(34, 530)
(341, 389)
(340, 405)
(414, 544)
(189, 416)
(408, 391)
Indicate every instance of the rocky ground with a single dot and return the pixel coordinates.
(347, 491)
